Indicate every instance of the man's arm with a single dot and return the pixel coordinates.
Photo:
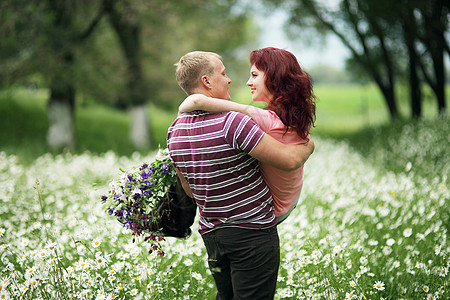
(184, 183)
(282, 156)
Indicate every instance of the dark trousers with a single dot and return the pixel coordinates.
(244, 262)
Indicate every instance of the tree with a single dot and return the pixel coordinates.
(122, 16)
(66, 44)
(64, 36)
(152, 36)
(44, 37)
(362, 33)
(423, 25)
(434, 19)
(380, 34)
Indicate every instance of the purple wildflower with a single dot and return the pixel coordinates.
(145, 175)
(127, 224)
(166, 168)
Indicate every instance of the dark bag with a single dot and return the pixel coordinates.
(181, 213)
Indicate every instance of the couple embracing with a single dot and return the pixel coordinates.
(243, 165)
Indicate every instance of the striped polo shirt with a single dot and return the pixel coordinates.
(211, 151)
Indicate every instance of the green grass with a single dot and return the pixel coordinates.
(345, 109)
(360, 223)
(341, 111)
(374, 208)
(99, 128)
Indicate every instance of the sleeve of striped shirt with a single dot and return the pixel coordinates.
(241, 132)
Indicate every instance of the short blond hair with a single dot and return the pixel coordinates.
(192, 66)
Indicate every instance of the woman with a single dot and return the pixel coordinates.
(277, 79)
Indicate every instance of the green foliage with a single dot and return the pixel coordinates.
(39, 37)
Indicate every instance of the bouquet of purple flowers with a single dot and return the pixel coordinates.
(150, 201)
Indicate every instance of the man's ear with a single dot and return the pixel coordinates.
(205, 82)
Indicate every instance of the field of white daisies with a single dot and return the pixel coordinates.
(373, 223)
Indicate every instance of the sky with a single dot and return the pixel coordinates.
(332, 53)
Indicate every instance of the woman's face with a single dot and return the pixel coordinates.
(258, 87)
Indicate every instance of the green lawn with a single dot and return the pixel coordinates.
(346, 109)
(341, 111)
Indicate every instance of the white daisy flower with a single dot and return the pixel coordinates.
(379, 285)
(350, 295)
(363, 260)
(197, 276)
(407, 232)
(390, 242)
(4, 294)
(95, 243)
(188, 262)
(50, 246)
(349, 264)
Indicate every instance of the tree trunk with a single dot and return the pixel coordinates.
(434, 39)
(61, 106)
(61, 132)
(438, 63)
(129, 33)
(139, 126)
(383, 73)
(389, 97)
(409, 34)
(414, 85)
(438, 50)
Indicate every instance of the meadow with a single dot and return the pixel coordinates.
(373, 221)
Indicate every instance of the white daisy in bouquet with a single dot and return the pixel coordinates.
(148, 201)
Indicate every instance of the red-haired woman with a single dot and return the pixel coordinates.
(277, 79)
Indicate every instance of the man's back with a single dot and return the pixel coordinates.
(211, 150)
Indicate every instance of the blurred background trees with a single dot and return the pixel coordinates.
(121, 52)
(388, 41)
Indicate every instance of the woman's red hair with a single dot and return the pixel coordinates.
(292, 88)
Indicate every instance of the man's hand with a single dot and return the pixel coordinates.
(282, 156)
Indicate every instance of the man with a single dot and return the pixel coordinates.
(216, 157)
